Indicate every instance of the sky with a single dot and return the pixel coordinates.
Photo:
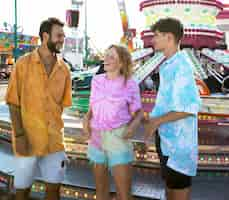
(104, 23)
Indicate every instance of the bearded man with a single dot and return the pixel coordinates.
(38, 91)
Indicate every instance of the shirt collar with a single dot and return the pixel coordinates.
(172, 58)
(37, 59)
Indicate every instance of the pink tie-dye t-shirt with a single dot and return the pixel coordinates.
(112, 102)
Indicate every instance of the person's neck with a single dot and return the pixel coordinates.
(169, 52)
(46, 54)
(112, 75)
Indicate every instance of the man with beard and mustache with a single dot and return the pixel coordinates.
(38, 91)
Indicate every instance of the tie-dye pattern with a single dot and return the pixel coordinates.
(112, 149)
(178, 92)
(112, 102)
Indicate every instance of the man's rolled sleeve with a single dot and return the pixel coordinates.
(13, 93)
(67, 98)
(185, 96)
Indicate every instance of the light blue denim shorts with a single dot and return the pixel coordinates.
(109, 148)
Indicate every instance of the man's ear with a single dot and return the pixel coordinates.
(170, 37)
(45, 36)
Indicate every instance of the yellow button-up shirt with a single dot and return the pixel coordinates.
(41, 99)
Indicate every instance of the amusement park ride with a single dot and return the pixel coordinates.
(204, 46)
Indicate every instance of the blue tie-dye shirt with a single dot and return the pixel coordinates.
(178, 92)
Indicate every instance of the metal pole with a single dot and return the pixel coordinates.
(86, 38)
(15, 31)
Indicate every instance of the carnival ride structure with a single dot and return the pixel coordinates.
(202, 46)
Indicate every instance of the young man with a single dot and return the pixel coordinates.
(175, 112)
(38, 91)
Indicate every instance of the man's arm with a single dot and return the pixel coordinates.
(21, 140)
(12, 98)
(153, 124)
(171, 116)
(15, 115)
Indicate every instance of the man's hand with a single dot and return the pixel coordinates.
(129, 132)
(150, 126)
(22, 145)
(21, 140)
(133, 125)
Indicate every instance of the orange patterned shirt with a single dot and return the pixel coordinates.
(41, 99)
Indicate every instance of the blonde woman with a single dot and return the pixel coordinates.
(110, 123)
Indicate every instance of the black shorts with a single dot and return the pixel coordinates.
(173, 179)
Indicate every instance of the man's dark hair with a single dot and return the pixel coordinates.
(169, 25)
(46, 26)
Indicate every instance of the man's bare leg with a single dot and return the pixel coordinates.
(22, 194)
(52, 191)
(178, 194)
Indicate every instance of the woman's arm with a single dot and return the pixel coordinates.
(86, 125)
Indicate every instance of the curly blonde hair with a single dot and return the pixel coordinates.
(125, 60)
